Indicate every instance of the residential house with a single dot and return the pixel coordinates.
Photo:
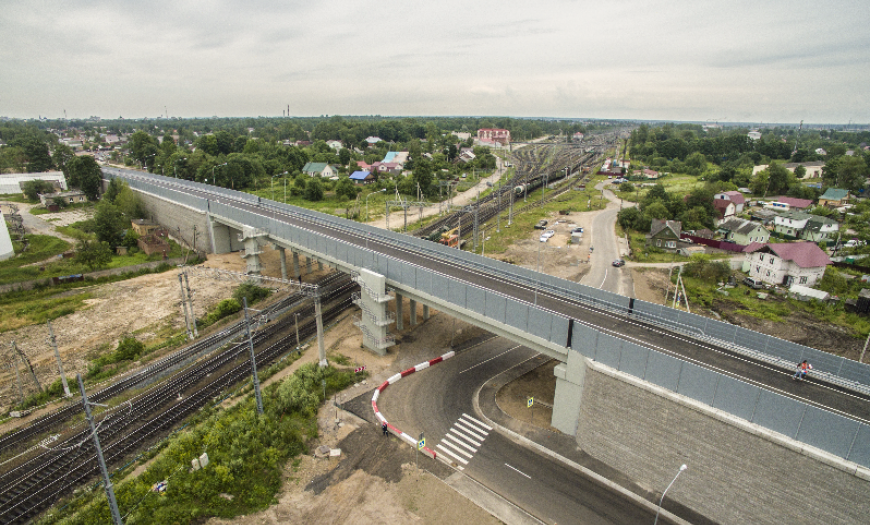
(319, 169)
(794, 203)
(144, 227)
(813, 169)
(362, 177)
(578, 137)
(820, 229)
(373, 140)
(387, 167)
(466, 155)
(743, 232)
(754, 135)
(664, 234)
(734, 196)
(791, 223)
(765, 217)
(362, 165)
(334, 144)
(723, 210)
(786, 263)
(834, 198)
(491, 135)
(821, 151)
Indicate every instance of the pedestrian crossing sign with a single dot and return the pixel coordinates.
(421, 443)
(530, 402)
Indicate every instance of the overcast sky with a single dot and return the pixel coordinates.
(760, 60)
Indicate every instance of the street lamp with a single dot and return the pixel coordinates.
(284, 176)
(682, 468)
(367, 201)
(212, 172)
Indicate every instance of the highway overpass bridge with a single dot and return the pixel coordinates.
(732, 373)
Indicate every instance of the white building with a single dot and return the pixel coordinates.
(786, 264)
(10, 183)
(6, 250)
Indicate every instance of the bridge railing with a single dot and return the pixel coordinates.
(828, 431)
(774, 350)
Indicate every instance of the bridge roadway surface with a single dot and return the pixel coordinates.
(823, 395)
(434, 400)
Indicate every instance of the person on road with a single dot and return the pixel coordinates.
(802, 368)
(384, 428)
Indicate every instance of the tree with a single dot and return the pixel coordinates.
(314, 190)
(109, 224)
(86, 175)
(33, 188)
(142, 147)
(38, 158)
(778, 178)
(344, 156)
(423, 174)
(628, 217)
(93, 254)
(345, 189)
(851, 173)
(61, 157)
(130, 204)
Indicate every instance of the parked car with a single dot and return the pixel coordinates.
(578, 229)
(542, 224)
(753, 283)
(546, 235)
(619, 262)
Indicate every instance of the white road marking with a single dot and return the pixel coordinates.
(469, 430)
(457, 449)
(490, 359)
(451, 454)
(458, 441)
(479, 423)
(605, 278)
(464, 437)
(517, 470)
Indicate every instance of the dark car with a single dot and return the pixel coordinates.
(619, 262)
(542, 224)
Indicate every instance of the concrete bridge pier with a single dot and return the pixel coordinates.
(296, 274)
(412, 306)
(282, 253)
(570, 380)
(374, 317)
(253, 239)
(308, 261)
(399, 315)
(425, 312)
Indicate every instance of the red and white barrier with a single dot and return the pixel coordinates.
(393, 430)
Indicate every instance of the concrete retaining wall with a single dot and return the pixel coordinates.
(734, 476)
(179, 220)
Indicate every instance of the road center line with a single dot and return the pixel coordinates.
(490, 359)
(514, 469)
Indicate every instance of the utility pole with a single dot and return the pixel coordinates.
(184, 307)
(18, 379)
(190, 305)
(110, 491)
(53, 343)
(321, 351)
(253, 358)
(27, 364)
(297, 331)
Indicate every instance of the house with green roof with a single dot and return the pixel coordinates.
(319, 169)
(820, 229)
(834, 197)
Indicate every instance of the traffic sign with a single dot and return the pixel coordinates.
(421, 444)
(530, 402)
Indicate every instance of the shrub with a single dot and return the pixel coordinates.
(251, 292)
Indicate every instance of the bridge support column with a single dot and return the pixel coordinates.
(321, 350)
(570, 380)
(219, 235)
(425, 312)
(296, 274)
(283, 254)
(252, 239)
(320, 266)
(374, 317)
(412, 306)
(308, 262)
(399, 316)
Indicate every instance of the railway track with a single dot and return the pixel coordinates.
(41, 480)
(14, 441)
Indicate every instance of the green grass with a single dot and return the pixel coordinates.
(15, 197)
(247, 454)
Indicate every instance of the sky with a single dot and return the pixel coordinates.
(766, 61)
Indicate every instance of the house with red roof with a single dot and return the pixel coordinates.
(794, 202)
(734, 196)
(491, 135)
(786, 264)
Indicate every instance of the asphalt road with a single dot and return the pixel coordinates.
(603, 274)
(434, 401)
(723, 360)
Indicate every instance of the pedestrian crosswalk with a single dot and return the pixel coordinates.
(463, 440)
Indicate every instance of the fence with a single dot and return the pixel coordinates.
(833, 433)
